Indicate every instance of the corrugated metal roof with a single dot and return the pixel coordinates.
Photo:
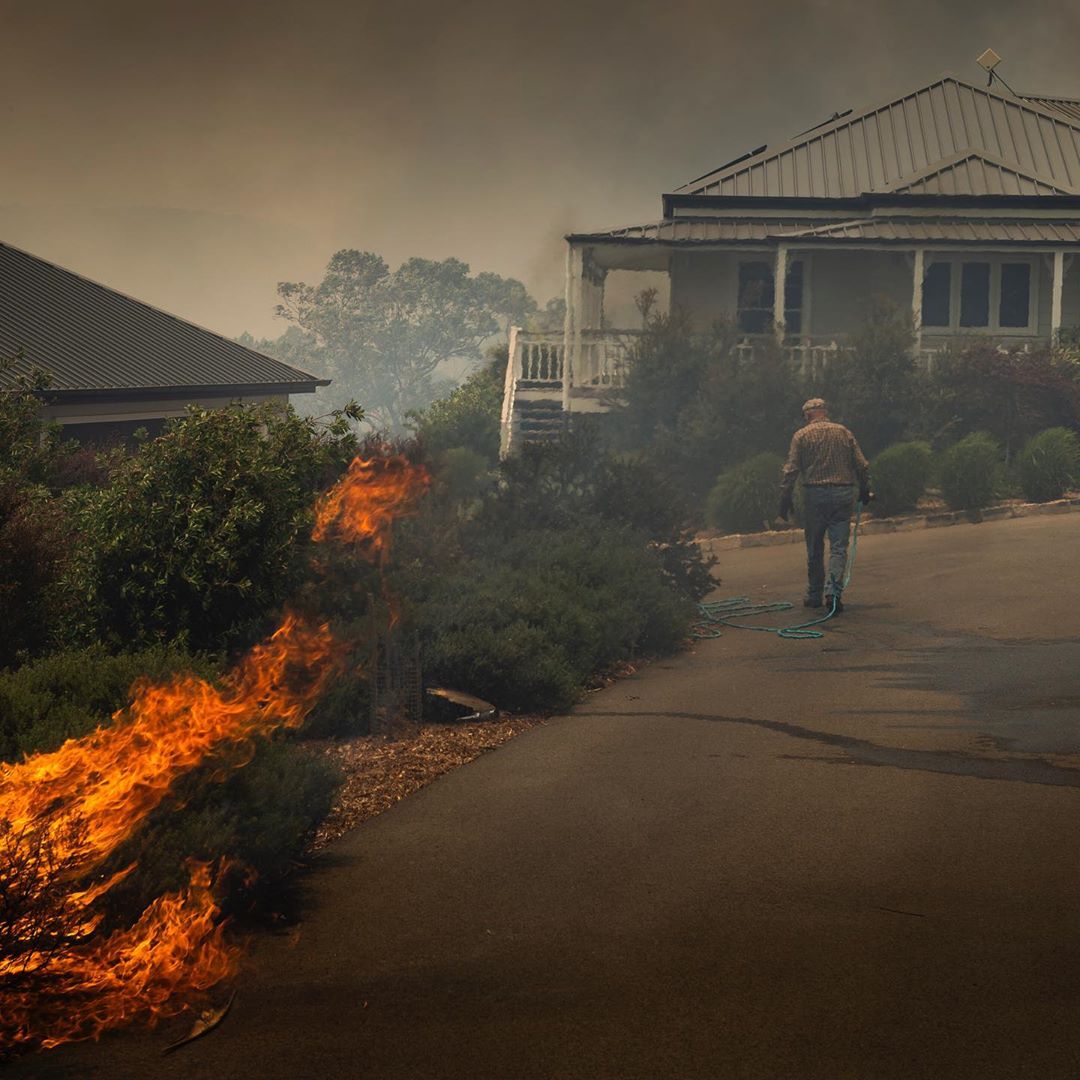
(981, 230)
(880, 147)
(92, 338)
(950, 230)
(973, 173)
(706, 230)
(1067, 107)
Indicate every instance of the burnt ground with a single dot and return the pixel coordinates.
(853, 857)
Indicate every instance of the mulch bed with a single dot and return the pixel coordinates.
(379, 771)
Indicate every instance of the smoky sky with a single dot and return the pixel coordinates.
(195, 154)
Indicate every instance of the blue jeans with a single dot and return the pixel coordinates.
(827, 510)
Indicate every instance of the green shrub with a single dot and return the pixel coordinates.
(1049, 464)
(258, 816)
(900, 475)
(744, 498)
(70, 693)
(525, 624)
(970, 472)
(202, 533)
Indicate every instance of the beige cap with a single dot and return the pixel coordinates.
(814, 403)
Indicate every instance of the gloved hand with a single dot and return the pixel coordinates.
(865, 494)
(786, 504)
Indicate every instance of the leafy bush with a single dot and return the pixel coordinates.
(469, 416)
(872, 387)
(35, 544)
(524, 626)
(900, 475)
(744, 498)
(1011, 394)
(694, 402)
(969, 472)
(1049, 464)
(201, 534)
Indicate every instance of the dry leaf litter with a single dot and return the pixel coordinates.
(379, 771)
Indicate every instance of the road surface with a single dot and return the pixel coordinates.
(855, 857)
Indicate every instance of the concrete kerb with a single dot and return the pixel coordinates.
(794, 535)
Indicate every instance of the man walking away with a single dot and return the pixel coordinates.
(830, 462)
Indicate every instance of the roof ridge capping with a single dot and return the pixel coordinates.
(969, 153)
(854, 117)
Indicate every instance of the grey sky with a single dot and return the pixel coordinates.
(194, 154)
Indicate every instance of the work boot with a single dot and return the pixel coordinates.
(834, 604)
(811, 601)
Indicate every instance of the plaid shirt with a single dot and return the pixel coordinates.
(825, 453)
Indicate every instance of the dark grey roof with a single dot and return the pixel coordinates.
(884, 146)
(914, 229)
(91, 338)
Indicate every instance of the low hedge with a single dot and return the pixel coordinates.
(899, 476)
(525, 625)
(1049, 465)
(970, 472)
(745, 497)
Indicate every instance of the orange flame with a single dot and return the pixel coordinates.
(111, 780)
(178, 942)
(368, 499)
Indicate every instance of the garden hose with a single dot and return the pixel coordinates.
(717, 613)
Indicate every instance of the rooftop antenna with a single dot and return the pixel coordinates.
(988, 62)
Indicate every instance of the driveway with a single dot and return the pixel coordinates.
(853, 857)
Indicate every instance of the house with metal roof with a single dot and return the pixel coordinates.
(117, 364)
(958, 202)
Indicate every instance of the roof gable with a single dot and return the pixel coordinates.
(973, 173)
(91, 338)
(884, 145)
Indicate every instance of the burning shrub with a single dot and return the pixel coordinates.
(1049, 464)
(744, 498)
(900, 475)
(72, 692)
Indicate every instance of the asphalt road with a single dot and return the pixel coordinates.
(855, 857)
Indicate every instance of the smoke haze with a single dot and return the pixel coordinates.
(195, 154)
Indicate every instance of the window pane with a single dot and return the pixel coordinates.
(755, 297)
(1015, 294)
(975, 294)
(793, 288)
(937, 284)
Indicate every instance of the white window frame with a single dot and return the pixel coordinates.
(995, 260)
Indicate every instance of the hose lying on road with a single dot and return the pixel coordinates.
(717, 613)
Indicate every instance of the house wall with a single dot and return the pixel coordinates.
(843, 283)
(1070, 296)
(103, 421)
(840, 284)
(705, 284)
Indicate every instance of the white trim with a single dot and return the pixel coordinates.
(780, 273)
(1055, 295)
(918, 274)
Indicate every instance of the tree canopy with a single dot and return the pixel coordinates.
(381, 334)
